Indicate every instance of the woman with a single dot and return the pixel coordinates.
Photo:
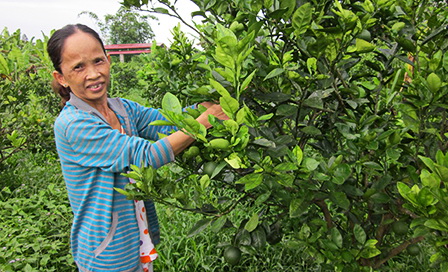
(97, 139)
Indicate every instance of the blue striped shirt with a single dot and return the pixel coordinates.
(104, 235)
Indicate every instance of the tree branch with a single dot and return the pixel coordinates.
(397, 250)
(321, 203)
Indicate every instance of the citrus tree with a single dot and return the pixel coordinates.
(27, 105)
(337, 132)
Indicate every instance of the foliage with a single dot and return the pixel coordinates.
(179, 68)
(36, 217)
(125, 81)
(331, 105)
(28, 105)
(126, 26)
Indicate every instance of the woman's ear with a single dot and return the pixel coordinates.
(59, 78)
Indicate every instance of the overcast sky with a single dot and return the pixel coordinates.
(34, 17)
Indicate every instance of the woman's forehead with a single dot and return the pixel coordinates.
(81, 44)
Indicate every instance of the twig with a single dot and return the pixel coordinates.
(176, 15)
(327, 215)
(397, 250)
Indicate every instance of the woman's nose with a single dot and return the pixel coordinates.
(92, 72)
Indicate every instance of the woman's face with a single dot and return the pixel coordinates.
(85, 68)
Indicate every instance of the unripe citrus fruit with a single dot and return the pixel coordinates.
(232, 255)
(400, 227)
(193, 151)
(413, 250)
(219, 143)
(209, 167)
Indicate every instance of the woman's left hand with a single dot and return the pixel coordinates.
(213, 109)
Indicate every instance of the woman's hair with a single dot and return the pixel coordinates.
(55, 46)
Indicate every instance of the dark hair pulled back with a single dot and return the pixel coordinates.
(55, 46)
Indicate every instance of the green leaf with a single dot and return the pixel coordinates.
(161, 123)
(204, 181)
(341, 173)
(171, 103)
(285, 180)
(219, 88)
(194, 127)
(429, 179)
(218, 224)
(251, 181)
(223, 58)
(285, 166)
(298, 153)
(252, 223)
(264, 142)
(262, 198)
(370, 252)
(314, 102)
(301, 19)
(4, 69)
(441, 158)
(311, 164)
(132, 175)
(441, 171)
(265, 117)
(161, 10)
(336, 237)
(199, 226)
(247, 81)
(340, 199)
(428, 162)
(295, 209)
(123, 192)
(229, 105)
(28, 268)
(360, 234)
(363, 46)
(311, 130)
(311, 64)
(425, 197)
(437, 224)
(274, 73)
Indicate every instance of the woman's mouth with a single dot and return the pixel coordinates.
(95, 87)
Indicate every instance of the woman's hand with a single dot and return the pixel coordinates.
(179, 140)
(213, 109)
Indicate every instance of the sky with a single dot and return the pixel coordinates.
(34, 17)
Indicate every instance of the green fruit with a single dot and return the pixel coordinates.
(232, 255)
(191, 152)
(434, 82)
(413, 250)
(219, 143)
(209, 168)
(400, 227)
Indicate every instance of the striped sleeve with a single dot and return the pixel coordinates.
(91, 143)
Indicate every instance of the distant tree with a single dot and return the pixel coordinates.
(126, 26)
